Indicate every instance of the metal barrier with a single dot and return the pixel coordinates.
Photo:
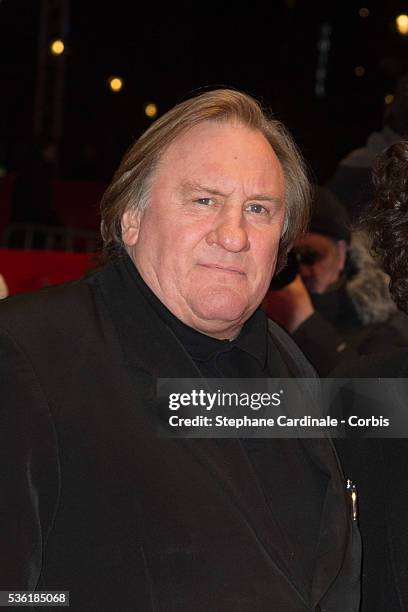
(53, 238)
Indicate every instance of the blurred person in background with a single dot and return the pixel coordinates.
(351, 182)
(338, 304)
(379, 466)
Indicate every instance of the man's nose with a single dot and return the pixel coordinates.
(230, 233)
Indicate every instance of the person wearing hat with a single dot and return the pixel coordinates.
(338, 304)
(322, 251)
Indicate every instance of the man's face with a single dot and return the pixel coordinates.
(326, 264)
(207, 243)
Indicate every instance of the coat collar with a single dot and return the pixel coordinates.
(147, 342)
(150, 346)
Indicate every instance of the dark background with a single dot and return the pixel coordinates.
(165, 53)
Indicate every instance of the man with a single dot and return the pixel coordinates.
(202, 207)
(326, 243)
(339, 305)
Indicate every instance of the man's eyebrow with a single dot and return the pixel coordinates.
(266, 197)
(195, 186)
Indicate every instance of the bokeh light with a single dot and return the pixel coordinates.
(57, 47)
(150, 110)
(402, 24)
(115, 83)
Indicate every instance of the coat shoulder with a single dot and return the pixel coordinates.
(50, 314)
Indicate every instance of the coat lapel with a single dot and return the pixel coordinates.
(334, 524)
(149, 346)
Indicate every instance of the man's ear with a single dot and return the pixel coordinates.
(130, 226)
(342, 251)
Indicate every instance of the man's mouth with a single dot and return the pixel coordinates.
(224, 268)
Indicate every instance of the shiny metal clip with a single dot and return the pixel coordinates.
(351, 488)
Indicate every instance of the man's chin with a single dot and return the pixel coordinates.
(219, 309)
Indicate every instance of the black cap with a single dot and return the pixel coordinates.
(329, 217)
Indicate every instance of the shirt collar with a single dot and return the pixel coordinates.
(252, 339)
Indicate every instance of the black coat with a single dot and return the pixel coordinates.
(92, 501)
(379, 469)
(334, 334)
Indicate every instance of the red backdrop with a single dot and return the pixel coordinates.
(26, 270)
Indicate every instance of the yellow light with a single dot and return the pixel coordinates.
(57, 47)
(150, 110)
(389, 99)
(364, 12)
(115, 83)
(402, 24)
(359, 71)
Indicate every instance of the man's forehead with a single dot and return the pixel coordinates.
(209, 132)
(211, 154)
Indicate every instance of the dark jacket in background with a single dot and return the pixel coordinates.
(357, 317)
(379, 469)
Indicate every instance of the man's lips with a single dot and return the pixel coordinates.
(223, 268)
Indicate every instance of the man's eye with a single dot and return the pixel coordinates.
(258, 209)
(204, 201)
